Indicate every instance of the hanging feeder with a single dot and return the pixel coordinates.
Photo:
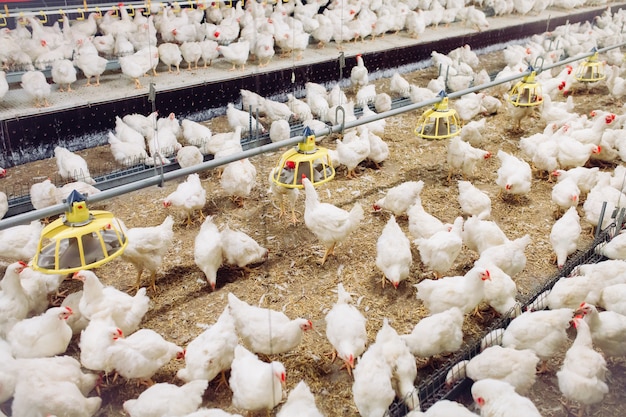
(590, 70)
(79, 239)
(304, 159)
(527, 92)
(439, 122)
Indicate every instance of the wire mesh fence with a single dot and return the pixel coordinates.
(448, 381)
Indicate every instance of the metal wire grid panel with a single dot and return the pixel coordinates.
(435, 387)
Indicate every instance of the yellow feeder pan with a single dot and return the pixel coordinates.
(439, 122)
(304, 159)
(527, 92)
(590, 70)
(79, 239)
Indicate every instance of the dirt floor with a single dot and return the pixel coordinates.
(291, 279)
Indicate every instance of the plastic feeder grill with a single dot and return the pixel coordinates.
(590, 70)
(439, 122)
(527, 92)
(79, 239)
(304, 159)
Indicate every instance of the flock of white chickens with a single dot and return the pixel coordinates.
(172, 36)
(465, 261)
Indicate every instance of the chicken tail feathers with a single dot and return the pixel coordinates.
(356, 216)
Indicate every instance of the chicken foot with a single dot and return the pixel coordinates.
(582, 411)
(543, 367)
(327, 253)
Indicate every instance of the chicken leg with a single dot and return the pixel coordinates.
(327, 253)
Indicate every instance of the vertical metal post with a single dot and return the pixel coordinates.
(159, 163)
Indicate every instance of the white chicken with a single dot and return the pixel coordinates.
(400, 198)
(236, 53)
(135, 128)
(472, 132)
(464, 157)
(352, 150)
(359, 74)
(345, 329)
(76, 321)
(514, 175)
(238, 179)
(4, 204)
(403, 367)
(517, 367)
(170, 55)
(41, 397)
(45, 335)
(62, 368)
(585, 178)
(146, 248)
(613, 298)
(140, 355)
(372, 389)
(127, 153)
(43, 194)
(500, 291)
(212, 351)
(38, 286)
(256, 385)
(139, 63)
(423, 224)
(207, 251)
(92, 65)
(565, 194)
(299, 107)
(439, 251)
(439, 333)
(276, 110)
(464, 291)
(166, 399)
(13, 300)
(572, 153)
(98, 300)
(188, 197)
(72, 166)
(300, 402)
(508, 256)
(36, 86)
(240, 249)
(582, 377)
(393, 253)
(244, 119)
(195, 133)
(20, 242)
(607, 329)
(544, 332)
(264, 330)
(614, 248)
(399, 86)
(188, 156)
(564, 235)
(498, 398)
(171, 124)
(63, 73)
(329, 223)
(4, 85)
(95, 339)
(191, 52)
(473, 201)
